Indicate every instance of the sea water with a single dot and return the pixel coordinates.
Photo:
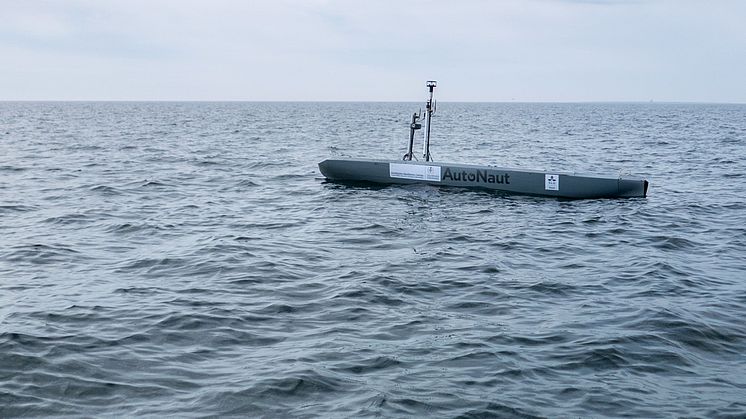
(188, 259)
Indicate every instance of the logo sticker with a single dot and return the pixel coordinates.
(551, 182)
(415, 172)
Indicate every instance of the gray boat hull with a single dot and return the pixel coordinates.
(519, 181)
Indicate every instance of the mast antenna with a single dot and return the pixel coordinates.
(413, 126)
(429, 110)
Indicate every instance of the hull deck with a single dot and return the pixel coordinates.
(519, 181)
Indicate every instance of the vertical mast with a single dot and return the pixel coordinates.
(414, 126)
(430, 108)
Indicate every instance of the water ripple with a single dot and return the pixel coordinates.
(186, 259)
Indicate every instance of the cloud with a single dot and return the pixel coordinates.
(383, 50)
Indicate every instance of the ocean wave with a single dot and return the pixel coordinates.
(209, 271)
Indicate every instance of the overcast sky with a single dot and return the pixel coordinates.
(383, 50)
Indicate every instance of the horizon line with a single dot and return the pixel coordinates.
(692, 102)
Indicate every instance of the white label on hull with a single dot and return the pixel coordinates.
(415, 172)
(551, 182)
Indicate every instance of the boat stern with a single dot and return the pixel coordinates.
(633, 188)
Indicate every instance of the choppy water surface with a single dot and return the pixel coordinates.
(187, 259)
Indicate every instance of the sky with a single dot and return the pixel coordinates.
(374, 50)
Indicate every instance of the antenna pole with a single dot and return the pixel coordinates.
(414, 126)
(429, 108)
